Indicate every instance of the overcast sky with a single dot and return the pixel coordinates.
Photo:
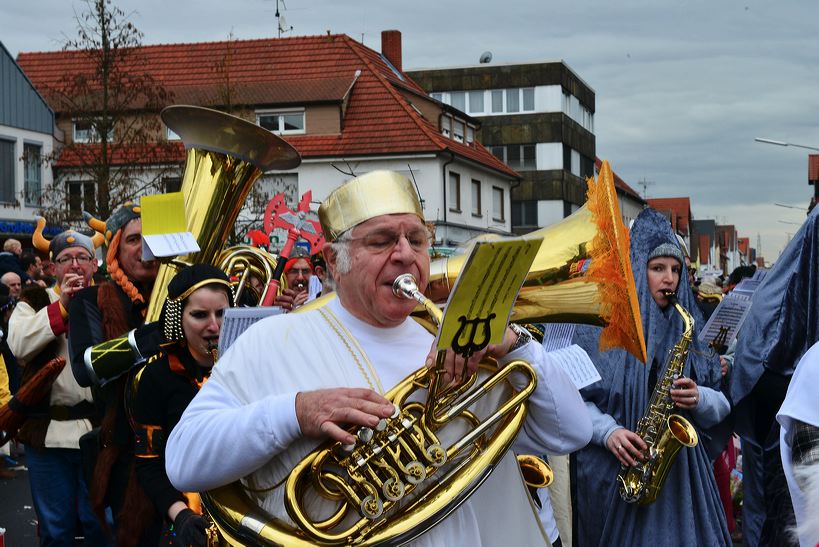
(682, 87)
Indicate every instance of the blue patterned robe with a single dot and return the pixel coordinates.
(688, 511)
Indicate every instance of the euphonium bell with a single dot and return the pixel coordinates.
(581, 274)
(225, 156)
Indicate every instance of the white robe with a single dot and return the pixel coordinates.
(800, 404)
(242, 424)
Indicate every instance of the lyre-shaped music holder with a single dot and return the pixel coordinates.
(480, 304)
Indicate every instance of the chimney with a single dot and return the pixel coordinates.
(391, 47)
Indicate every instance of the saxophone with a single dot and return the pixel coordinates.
(664, 433)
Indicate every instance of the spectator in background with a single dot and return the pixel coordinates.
(33, 268)
(297, 272)
(10, 257)
(51, 434)
(739, 273)
(318, 280)
(14, 282)
(9, 377)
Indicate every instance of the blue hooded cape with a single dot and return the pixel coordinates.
(688, 511)
(782, 325)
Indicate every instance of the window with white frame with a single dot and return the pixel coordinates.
(282, 122)
(454, 192)
(8, 163)
(87, 131)
(498, 212)
(476, 102)
(458, 100)
(81, 197)
(32, 161)
(446, 126)
(490, 101)
(456, 129)
(476, 198)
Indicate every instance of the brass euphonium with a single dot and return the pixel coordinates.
(225, 156)
(243, 261)
(582, 273)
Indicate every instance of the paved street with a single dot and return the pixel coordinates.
(16, 512)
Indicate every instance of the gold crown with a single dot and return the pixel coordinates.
(368, 196)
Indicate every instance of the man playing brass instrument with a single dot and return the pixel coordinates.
(272, 398)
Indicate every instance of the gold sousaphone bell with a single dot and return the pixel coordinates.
(581, 273)
(225, 157)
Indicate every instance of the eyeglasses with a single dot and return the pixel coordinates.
(81, 260)
(379, 242)
(304, 272)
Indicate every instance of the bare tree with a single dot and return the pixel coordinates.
(117, 150)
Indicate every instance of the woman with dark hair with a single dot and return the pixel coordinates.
(687, 511)
(191, 320)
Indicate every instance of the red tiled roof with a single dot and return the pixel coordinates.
(680, 209)
(619, 183)
(299, 70)
(87, 154)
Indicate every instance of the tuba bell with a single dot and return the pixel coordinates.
(581, 273)
(225, 156)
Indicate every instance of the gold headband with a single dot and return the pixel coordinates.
(199, 285)
(368, 196)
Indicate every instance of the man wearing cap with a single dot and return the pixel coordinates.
(272, 409)
(297, 272)
(104, 312)
(37, 334)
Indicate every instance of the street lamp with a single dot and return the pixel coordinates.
(783, 143)
(815, 198)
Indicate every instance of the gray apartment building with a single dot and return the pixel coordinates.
(536, 117)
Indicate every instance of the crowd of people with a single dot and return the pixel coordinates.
(146, 414)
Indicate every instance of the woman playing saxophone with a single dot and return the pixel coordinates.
(687, 510)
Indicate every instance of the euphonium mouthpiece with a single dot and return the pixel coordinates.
(405, 286)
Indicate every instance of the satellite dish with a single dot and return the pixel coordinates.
(486, 57)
